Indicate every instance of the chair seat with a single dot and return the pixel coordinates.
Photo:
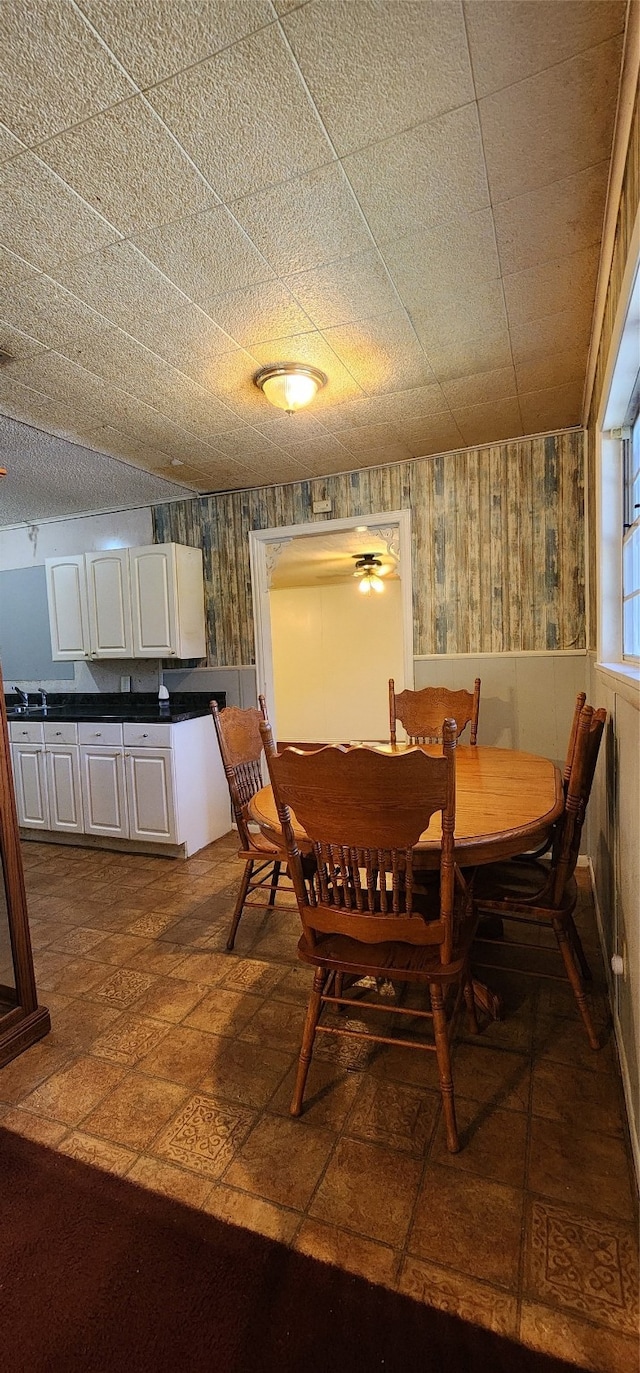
(519, 881)
(262, 848)
(405, 962)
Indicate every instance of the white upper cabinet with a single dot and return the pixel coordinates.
(68, 612)
(109, 603)
(127, 603)
(167, 601)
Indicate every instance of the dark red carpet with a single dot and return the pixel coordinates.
(99, 1276)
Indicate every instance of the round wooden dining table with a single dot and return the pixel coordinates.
(506, 803)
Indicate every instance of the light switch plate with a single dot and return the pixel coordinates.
(322, 507)
(125, 684)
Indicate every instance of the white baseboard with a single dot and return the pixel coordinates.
(622, 1057)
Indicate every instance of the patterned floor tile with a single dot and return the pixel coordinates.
(473, 1301)
(586, 1265)
(204, 1135)
(123, 987)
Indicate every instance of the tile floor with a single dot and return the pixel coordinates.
(172, 1062)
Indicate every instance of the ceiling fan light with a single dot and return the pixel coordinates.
(290, 385)
(376, 584)
(365, 586)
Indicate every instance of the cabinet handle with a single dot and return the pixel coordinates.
(145, 736)
(58, 733)
(127, 755)
(98, 734)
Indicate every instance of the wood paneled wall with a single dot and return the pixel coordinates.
(628, 209)
(497, 536)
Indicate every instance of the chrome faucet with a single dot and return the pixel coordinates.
(23, 696)
(43, 699)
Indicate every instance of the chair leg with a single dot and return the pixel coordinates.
(242, 896)
(308, 1036)
(564, 944)
(470, 1003)
(579, 951)
(444, 1066)
(274, 883)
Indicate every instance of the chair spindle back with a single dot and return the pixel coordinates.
(567, 841)
(240, 744)
(421, 713)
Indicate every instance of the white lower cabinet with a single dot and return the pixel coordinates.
(30, 777)
(103, 791)
(63, 788)
(150, 793)
(157, 783)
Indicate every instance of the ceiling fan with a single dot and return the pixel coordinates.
(370, 569)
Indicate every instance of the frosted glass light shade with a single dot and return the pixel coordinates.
(290, 385)
(369, 582)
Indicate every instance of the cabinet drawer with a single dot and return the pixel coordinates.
(95, 732)
(26, 731)
(148, 736)
(62, 732)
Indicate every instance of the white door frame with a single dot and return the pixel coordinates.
(265, 545)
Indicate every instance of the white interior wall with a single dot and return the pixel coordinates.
(333, 653)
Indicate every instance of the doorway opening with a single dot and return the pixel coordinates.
(324, 650)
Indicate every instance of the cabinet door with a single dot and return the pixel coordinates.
(31, 785)
(68, 614)
(63, 787)
(150, 794)
(104, 800)
(109, 603)
(153, 601)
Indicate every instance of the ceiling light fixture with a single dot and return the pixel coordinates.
(290, 385)
(367, 567)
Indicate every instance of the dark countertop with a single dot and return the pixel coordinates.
(125, 707)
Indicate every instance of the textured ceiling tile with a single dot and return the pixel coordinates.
(47, 41)
(258, 313)
(552, 369)
(378, 442)
(377, 68)
(291, 431)
(14, 271)
(386, 409)
(560, 122)
(9, 145)
(315, 350)
(17, 344)
(383, 354)
(536, 228)
(312, 452)
(435, 434)
(246, 445)
(499, 419)
(482, 354)
(54, 416)
(430, 268)
(105, 439)
(125, 164)
(244, 116)
(50, 314)
(41, 219)
(230, 378)
(302, 224)
(205, 255)
(555, 408)
(431, 173)
(152, 41)
(510, 41)
(145, 305)
(33, 489)
(536, 339)
(64, 381)
(462, 392)
(478, 310)
(355, 288)
(553, 286)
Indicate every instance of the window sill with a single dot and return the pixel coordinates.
(624, 678)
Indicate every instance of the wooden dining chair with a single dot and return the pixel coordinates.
(536, 893)
(363, 915)
(421, 713)
(566, 773)
(240, 742)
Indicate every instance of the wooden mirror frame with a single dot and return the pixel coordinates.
(25, 1022)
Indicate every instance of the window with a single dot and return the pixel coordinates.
(631, 541)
